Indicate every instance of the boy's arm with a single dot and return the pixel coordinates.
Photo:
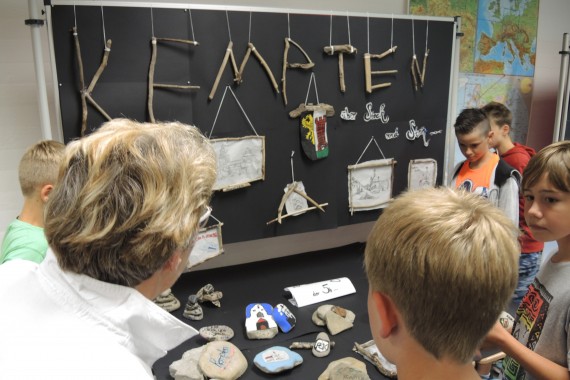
(539, 366)
(509, 199)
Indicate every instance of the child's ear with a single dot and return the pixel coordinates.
(505, 129)
(173, 262)
(44, 192)
(387, 312)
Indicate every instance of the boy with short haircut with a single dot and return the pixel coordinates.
(517, 156)
(37, 172)
(483, 172)
(439, 277)
(539, 347)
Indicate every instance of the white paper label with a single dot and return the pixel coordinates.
(316, 292)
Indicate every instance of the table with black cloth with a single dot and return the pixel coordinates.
(264, 282)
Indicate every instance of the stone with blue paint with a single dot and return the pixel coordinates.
(277, 359)
(259, 322)
(284, 318)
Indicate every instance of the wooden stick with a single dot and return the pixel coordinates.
(102, 67)
(341, 72)
(367, 73)
(229, 54)
(81, 82)
(286, 65)
(297, 212)
(412, 69)
(368, 70)
(424, 67)
(492, 358)
(189, 42)
(418, 71)
(151, 80)
(290, 190)
(384, 72)
(329, 110)
(265, 66)
(304, 195)
(382, 55)
(97, 106)
(244, 62)
(178, 86)
(333, 49)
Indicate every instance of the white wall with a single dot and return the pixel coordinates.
(19, 121)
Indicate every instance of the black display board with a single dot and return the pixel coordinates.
(122, 92)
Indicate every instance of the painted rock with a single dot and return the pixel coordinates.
(167, 301)
(348, 361)
(322, 345)
(277, 359)
(216, 332)
(284, 318)
(222, 360)
(259, 322)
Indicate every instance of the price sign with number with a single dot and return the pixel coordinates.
(308, 294)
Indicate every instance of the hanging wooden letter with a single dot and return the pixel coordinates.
(151, 84)
(340, 50)
(368, 70)
(229, 54)
(286, 65)
(257, 55)
(86, 92)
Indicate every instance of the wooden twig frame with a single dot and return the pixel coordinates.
(340, 50)
(151, 84)
(370, 184)
(292, 188)
(329, 110)
(241, 160)
(286, 65)
(368, 70)
(86, 92)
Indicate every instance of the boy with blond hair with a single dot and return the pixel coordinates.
(483, 172)
(517, 156)
(37, 172)
(539, 347)
(439, 277)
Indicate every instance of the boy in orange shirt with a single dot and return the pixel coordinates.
(483, 172)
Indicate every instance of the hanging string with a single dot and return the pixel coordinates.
(228, 22)
(413, 39)
(288, 27)
(367, 145)
(368, 32)
(309, 89)
(152, 21)
(191, 25)
(74, 16)
(249, 36)
(330, 30)
(292, 171)
(240, 107)
(392, 33)
(427, 31)
(348, 26)
(104, 36)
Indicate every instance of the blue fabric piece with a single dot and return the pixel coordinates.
(529, 263)
(284, 318)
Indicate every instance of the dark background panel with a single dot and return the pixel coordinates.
(122, 91)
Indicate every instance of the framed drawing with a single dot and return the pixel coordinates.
(370, 184)
(241, 160)
(422, 173)
(208, 245)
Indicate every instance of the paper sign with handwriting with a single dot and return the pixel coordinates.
(308, 294)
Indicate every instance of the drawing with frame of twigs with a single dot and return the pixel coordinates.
(370, 184)
(240, 161)
(207, 245)
(422, 173)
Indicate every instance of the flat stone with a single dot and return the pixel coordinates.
(222, 360)
(344, 372)
(322, 311)
(216, 332)
(336, 324)
(322, 345)
(277, 359)
(259, 322)
(187, 367)
(348, 361)
(284, 318)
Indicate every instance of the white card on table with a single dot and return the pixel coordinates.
(308, 294)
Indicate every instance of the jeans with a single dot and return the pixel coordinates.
(528, 268)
